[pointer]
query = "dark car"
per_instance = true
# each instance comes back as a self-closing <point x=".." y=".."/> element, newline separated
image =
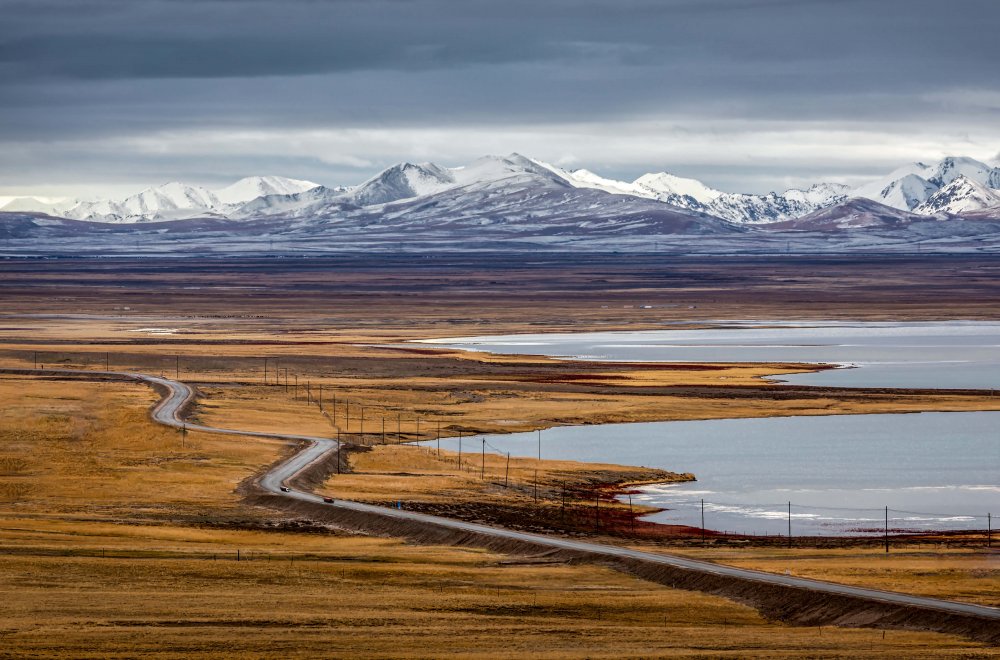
<point x="328" y="500"/>
<point x="286" y="489"/>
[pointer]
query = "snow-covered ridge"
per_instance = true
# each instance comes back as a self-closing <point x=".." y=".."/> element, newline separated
<point x="516" y="186"/>
<point x="170" y="201"/>
<point x="910" y="187"/>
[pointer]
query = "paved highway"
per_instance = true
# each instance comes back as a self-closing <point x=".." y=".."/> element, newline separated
<point x="168" y="410"/>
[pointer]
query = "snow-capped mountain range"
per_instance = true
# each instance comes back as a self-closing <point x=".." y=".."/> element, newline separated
<point x="171" y="201"/>
<point x="516" y="190"/>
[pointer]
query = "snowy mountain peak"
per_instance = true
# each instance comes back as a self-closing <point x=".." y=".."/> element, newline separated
<point x="169" y="197"/>
<point x="818" y="194"/>
<point x="952" y="167"/>
<point x="587" y="179"/>
<point x="960" y="196"/>
<point x="47" y="205"/>
<point x="664" y="184"/>
<point x="912" y="185"/>
<point x="252" y="187"/>
<point x="401" y="181"/>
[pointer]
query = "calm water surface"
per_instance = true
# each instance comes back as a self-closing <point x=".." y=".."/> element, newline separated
<point x="954" y="354"/>
<point x="933" y="470"/>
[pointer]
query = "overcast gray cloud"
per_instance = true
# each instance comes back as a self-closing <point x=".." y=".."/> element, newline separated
<point x="748" y="94"/>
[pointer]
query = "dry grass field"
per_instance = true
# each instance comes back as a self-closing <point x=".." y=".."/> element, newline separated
<point x="94" y="590"/>
<point x="83" y="449"/>
<point x="970" y="574"/>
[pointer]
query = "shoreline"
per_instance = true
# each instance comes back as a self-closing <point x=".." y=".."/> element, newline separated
<point x="620" y="491"/>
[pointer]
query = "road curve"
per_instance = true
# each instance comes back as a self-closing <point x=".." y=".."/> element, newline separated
<point x="178" y="395"/>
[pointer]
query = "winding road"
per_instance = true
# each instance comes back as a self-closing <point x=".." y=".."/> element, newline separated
<point x="178" y="395"/>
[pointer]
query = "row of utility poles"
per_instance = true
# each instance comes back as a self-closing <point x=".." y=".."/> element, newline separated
<point x="331" y="407"/>
<point x="107" y="363"/>
<point x="279" y="376"/>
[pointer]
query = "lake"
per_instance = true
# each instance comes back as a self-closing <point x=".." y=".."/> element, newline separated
<point x="953" y="354"/>
<point x="933" y="470"/>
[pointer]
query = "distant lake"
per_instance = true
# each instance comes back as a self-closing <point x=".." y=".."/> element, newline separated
<point x="934" y="470"/>
<point x="952" y="354"/>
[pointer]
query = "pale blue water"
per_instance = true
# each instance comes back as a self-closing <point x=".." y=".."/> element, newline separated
<point x="952" y="354"/>
<point x="934" y="470"/>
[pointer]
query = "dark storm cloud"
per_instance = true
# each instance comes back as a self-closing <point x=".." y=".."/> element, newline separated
<point x="95" y="39"/>
<point x="93" y="69"/>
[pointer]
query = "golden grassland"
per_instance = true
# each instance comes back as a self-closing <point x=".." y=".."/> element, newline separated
<point x="422" y="475"/>
<point x="89" y="448"/>
<point x="95" y="590"/>
<point x="970" y="574"/>
<point x="100" y="556"/>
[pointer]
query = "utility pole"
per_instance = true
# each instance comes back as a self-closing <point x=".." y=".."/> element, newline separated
<point x="703" y="521"/>
<point x="347" y="405"/>
<point x="334" y="404"/>
<point x="439" y="440"/>
<point x="482" y="468"/>
<point x="459" y="450"/>
<point x="506" y="472"/>
<point x="597" y="514"/>
<point x="338" y="451"/>
<point x="399" y="429"/>
<point x="362" y="425"/>
<point x="308" y="392"/>
<point x="886" y="530"/>
<point x="177" y="368"/>
<point x="107" y="361"/>
<point x="989" y="530"/>
<point x="631" y="514"/>
<point x="539" y="461"/>
<point x="789" y="524"/>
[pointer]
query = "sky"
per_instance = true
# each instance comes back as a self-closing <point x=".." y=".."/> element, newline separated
<point x="106" y="97"/>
